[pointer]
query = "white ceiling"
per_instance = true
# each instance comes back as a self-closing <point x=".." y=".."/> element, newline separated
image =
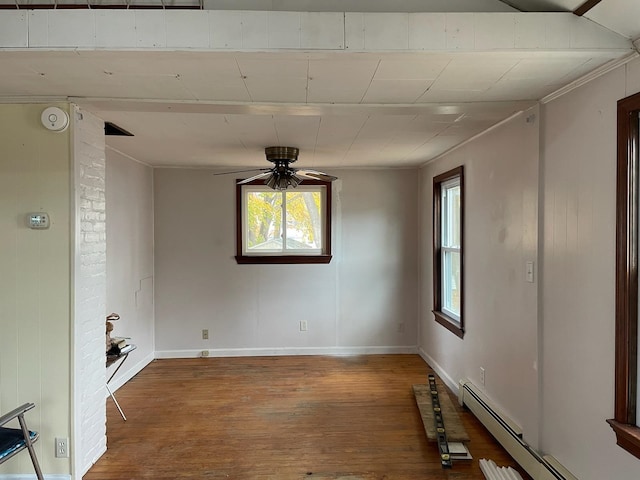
<point x="356" y="109"/>
<point x="621" y="16"/>
<point x="207" y="108"/>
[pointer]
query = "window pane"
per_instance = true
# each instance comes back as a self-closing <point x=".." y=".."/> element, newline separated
<point x="451" y="282"/>
<point x="451" y="214"/>
<point x="264" y="221"/>
<point x="304" y="220"/>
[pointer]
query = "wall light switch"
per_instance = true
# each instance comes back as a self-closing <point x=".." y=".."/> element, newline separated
<point x="529" y="270"/>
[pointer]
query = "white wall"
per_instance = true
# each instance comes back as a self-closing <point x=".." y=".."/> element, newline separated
<point x="576" y="290"/>
<point x="130" y="259"/>
<point x="501" y="183"/>
<point x="354" y="304"/>
<point x="35" y="327"/>
<point x="578" y="313"/>
<point x="89" y="441"/>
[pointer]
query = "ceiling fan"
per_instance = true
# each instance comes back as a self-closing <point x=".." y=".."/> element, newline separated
<point x="282" y="176"/>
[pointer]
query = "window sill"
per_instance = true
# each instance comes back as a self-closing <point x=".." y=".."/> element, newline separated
<point x="449" y="323"/>
<point x="627" y="436"/>
<point x="282" y="259"/>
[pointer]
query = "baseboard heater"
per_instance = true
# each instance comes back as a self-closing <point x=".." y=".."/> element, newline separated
<point x="510" y="436"/>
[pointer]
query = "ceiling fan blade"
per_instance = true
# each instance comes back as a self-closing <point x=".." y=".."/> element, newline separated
<point x="255" y="177"/>
<point x="243" y="171"/>
<point x="315" y="175"/>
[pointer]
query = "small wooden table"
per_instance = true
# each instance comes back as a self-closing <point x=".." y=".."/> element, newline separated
<point x="113" y="359"/>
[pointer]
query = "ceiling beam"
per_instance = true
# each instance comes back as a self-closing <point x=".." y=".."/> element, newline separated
<point x="585" y="7"/>
<point x="510" y="4"/>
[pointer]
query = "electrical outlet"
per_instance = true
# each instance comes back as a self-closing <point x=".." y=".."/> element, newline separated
<point x="401" y="327"/>
<point x="482" y="375"/>
<point x="62" y="447"/>
<point x="303" y="325"/>
<point x="204" y="353"/>
<point x="205" y="334"/>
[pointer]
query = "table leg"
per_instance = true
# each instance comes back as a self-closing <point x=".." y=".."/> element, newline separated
<point x="116" y="402"/>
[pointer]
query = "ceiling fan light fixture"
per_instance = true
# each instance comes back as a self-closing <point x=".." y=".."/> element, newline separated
<point x="294" y="180"/>
<point x="283" y="183"/>
<point x="281" y="176"/>
<point x="284" y="155"/>
<point x="271" y="182"/>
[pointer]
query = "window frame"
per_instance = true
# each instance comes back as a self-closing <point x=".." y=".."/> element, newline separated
<point x="275" y="258"/>
<point x="452" y="324"/>
<point x="625" y="420"/>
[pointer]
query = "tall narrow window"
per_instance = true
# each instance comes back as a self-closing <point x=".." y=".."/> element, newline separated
<point x="626" y="422"/>
<point x="448" y="225"/>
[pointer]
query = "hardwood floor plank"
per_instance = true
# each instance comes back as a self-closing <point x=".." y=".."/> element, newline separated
<point x="280" y="418"/>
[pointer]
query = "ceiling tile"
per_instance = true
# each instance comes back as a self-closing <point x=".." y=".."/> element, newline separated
<point x="460" y="31"/>
<point x="272" y="66"/>
<point x="427" y="31"/>
<point x="339" y="130"/>
<point x="322" y="30"/>
<point x="115" y="28"/>
<point x="618" y="15"/>
<point x="255" y="30"/>
<point x="388" y="31"/>
<point x="473" y="73"/>
<point x="420" y="68"/>
<point x="14" y="31"/>
<point x="225" y="29"/>
<point x="211" y="89"/>
<point x="493" y="32"/>
<point x="284" y="29"/>
<point x="151" y="30"/>
<point x="297" y="131"/>
<point x="395" y="91"/>
<point x="543" y="69"/>
<point x="277" y="90"/>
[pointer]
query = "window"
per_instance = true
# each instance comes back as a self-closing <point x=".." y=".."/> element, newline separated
<point x="448" y="264"/>
<point x="626" y="422"/>
<point x="284" y="226"/>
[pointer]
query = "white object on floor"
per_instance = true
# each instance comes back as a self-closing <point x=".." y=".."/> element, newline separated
<point x="492" y="472"/>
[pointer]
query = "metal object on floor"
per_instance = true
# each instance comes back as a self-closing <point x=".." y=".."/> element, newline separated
<point x="112" y="359"/>
<point x="443" y="445"/>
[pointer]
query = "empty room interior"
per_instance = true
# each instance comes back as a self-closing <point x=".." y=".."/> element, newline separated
<point x="297" y="210"/>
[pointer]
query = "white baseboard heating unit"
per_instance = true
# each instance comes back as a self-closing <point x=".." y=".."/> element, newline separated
<point x="510" y="436"/>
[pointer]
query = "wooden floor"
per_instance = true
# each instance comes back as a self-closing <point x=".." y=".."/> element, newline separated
<point x="347" y="418"/>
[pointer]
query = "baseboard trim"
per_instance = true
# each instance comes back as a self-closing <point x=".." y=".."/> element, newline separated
<point x="286" y="351"/>
<point x="32" y="476"/>
<point x="97" y="457"/>
<point x="128" y="374"/>
<point x="439" y="370"/>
